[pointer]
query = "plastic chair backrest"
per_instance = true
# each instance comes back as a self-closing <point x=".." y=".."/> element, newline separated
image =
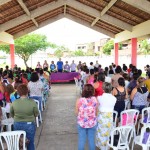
<point x="124" y="133"/>
<point x="115" y="115"/>
<point x="76" y="82"/>
<point x="38" y="104"/>
<point x="129" y="117"/>
<point x="4" y="116"/>
<point x="12" y="139"/>
<point x="145" y="135"/>
<point x="145" y="115"/>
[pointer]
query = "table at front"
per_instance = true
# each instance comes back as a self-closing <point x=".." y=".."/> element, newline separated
<point x="63" y="76"/>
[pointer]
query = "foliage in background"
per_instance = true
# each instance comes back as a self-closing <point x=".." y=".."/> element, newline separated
<point x="145" y="47"/>
<point x="109" y="46"/>
<point x="61" y="51"/>
<point x="28" y="45"/>
<point x="79" y="52"/>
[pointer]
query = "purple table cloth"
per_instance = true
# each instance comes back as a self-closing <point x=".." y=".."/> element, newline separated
<point x="64" y="76"/>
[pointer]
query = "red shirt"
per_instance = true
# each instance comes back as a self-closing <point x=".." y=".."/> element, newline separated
<point x="7" y="97"/>
<point x="99" y="91"/>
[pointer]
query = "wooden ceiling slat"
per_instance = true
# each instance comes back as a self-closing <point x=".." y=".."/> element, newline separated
<point x="78" y="13"/>
<point x="34" y="4"/>
<point x="49" y="14"/>
<point x="133" y="10"/>
<point x="20" y="26"/>
<point x="119" y="10"/>
<point x="121" y="18"/>
<point x="10" y="11"/>
<point x="89" y="19"/>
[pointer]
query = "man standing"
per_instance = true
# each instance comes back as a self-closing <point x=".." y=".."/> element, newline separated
<point x="73" y="67"/>
<point x="60" y="65"/>
<point x="97" y="64"/>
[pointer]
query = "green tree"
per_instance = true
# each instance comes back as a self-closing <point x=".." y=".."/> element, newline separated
<point x="28" y="45"/>
<point x="109" y="46"/>
<point x="145" y="47"/>
<point x="58" y="53"/>
<point x="79" y="52"/>
<point x="60" y="50"/>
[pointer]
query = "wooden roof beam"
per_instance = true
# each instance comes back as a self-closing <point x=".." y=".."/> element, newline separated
<point x="35" y="13"/>
<point x="21" y="3"/>
<point x="42" y="24"/>
<point x="95" y="13"/>
<point x="65" y="8"/>
<point x="139" y="30"/>
<point x="109" y="5"/>
<point x="2" y="2"/>
<point x="141" y="4"/>
<point x="87" y="24"/>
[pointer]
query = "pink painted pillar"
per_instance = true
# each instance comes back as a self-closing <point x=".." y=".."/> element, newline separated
<point x="116" y="47"/>
<point x="134" y="51"/>
<point x="12" y="55"/>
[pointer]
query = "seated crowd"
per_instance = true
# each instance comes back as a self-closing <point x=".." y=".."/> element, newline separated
<point x="18" y="90"/>
<point x="103" y="92"/>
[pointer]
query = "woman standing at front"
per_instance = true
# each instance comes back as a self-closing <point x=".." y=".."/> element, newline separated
<point x="86" y="109"/>
<point x="24" y="111"/>
<point x="105" y="116"/>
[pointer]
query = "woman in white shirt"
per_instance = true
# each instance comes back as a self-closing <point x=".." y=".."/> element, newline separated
<point x="105" y="116"/>
<point x="35" y="87"/>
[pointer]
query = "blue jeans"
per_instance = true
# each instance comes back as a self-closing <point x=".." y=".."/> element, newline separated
<point x="140" y="107"/>
<point x="30" y="129"/>
<point x="83" y="133"/>
<point x="39" y="98"/>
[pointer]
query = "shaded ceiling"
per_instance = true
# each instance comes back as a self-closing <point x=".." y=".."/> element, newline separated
<point x="110" y="17"/>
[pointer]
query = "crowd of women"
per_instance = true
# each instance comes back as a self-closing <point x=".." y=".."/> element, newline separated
<point x="18" y="90"/>
<point x="103" y="91"/>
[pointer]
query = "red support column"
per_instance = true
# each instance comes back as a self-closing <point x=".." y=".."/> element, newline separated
<point x="12" y="55"/>
<point x="116" y="47"/>
<point x="134" y="51"/>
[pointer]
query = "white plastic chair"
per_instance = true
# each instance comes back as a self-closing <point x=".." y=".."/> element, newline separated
<point x="145" y="118"/>
<point x="129" y="117"/>
<point x="115" y="116"/>
<point x="8" y="122"/>
<point x="40" y="115"/>
<point x="12" y="140"/>
<point x="78" y="85"/>
<point x="124" y="133"/>
<point x="144" y="139"/>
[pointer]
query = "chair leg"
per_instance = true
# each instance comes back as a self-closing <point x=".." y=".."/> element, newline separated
<point x="37" y="121"/>
<point x="40" y="115"/>
<point x="133" y="144"/>
<point x="138" y="128"/>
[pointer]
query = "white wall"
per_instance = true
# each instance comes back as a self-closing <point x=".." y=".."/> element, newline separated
<point x="104" y="60"/>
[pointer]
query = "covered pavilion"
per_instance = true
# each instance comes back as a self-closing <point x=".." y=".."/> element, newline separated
<point x="119" y="19"/>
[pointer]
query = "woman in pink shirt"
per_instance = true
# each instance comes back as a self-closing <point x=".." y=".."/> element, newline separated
<point x="86" y="111"/>
<point x="90" y="78"/>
